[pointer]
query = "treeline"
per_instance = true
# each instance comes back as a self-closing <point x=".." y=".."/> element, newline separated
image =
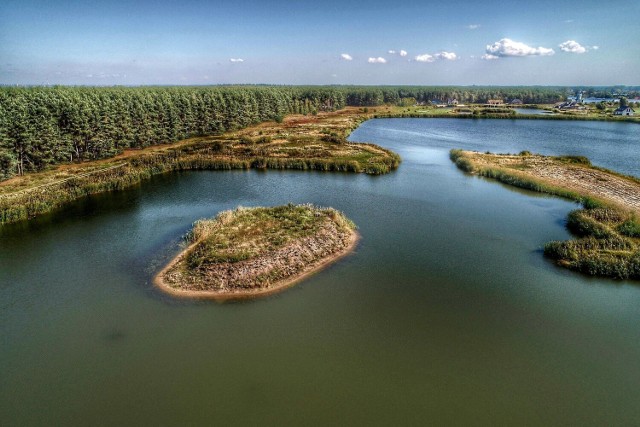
<point x="378" y="95"/>
<point x="41" y="126"/>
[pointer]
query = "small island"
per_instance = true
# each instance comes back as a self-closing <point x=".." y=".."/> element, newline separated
<point x="254" y="252"/>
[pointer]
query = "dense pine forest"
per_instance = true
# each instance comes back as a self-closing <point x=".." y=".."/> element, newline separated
<point x="41" y="126"/>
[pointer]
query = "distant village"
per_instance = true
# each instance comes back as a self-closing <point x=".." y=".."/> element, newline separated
<point x="578" y="103"/>
<point x="617" y="105"/>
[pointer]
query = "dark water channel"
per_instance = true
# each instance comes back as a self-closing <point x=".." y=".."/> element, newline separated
<point x="447" y="313"/>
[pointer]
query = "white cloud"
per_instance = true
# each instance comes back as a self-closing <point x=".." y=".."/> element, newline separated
<point x="425" y="57"/>
<point x="378" y="60"/>
<point x="572" y="46"/>
<point x="473" y="26"/>
<point x="489" y="57"/>
<point x="595" y="47"/>
<point x="445" y="56"/>
<point x="236" y="60"/>
<point x="400" y="52"/>
<point x="346" y="57"/>
<point x="508" y="47"/>
<point x="449" y="56"/>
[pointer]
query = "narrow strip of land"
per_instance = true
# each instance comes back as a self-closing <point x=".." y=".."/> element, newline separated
<point x="315" y="142"/>
<point x="608" y="229"/>
<point x="574" y="174"/>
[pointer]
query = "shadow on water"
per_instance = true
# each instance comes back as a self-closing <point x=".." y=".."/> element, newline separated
<point x="122" y="202"/>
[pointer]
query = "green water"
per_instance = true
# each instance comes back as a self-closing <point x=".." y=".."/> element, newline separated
<point x="447" y="313"/>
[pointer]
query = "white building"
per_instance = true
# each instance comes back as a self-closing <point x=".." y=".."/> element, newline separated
<point x="624" y="111"/>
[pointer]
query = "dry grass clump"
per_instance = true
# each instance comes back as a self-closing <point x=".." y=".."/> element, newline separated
<point x="608" y="243"/>
<point x="244" y="233"/>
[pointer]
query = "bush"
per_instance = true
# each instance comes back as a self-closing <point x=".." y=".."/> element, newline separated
<point x="581" y="223"/>
<point x="630" y="228"/>
<point x="580" y="160"/>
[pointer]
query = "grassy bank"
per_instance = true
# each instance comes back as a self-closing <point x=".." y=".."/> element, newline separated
<point x="299" y="142"/>
<point x="480" y="112"/>
<point x="607" y="228"/>
<point x="252" y="252"/>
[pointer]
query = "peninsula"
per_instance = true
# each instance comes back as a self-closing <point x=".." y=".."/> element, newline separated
<point x="254" y="252"/>
<point x="608" y="226"/>
<point x="312" y="142"/>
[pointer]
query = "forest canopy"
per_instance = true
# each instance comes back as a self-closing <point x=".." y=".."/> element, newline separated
<point x="41" y="126"/>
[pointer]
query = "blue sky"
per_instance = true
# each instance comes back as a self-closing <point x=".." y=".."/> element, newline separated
<point x="320" y="42"/>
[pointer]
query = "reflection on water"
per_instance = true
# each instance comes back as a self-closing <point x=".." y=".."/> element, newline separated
<point x="446" y="311"/>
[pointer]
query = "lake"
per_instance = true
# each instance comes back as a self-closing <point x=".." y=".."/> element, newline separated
<point x="447" y="312"/>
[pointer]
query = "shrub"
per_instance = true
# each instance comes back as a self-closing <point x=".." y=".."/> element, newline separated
<point x="630" y="227"/>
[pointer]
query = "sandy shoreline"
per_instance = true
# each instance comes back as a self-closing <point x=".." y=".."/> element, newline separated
<point x="222" y="296"/>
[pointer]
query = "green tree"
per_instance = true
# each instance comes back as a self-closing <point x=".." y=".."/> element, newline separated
<point x="8" y="164"/>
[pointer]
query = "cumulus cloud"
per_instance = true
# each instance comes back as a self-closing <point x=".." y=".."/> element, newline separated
<point x="595" y="47"/>
<point x="403" y="53"/>
<point x="449" y="56"/>
<point x="572" y="46"/>
<point x="236" y="60"/>
<point x="425" y="57"/>
<point x="346" y="57"/>
<point x="392" y="52"/>
<point x="473" y="26"/>
<point x="489" y="57"/>
<point x="508" y="47"/>
<point x="378" y="60"/>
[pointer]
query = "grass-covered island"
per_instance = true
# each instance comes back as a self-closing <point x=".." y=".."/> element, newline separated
<point x="608" y="227"/>
<point x="253" y="252"/>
